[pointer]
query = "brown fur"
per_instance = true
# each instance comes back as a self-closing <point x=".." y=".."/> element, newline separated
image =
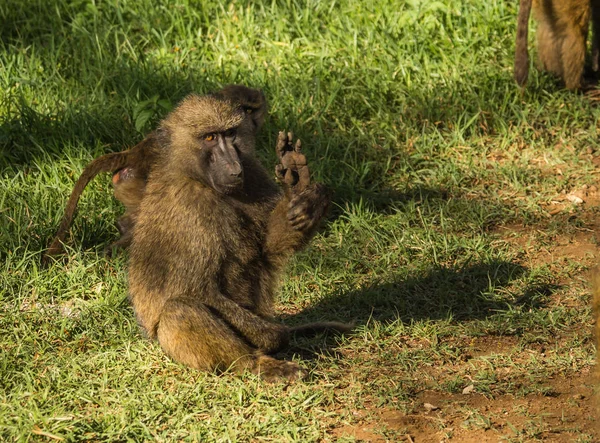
<point x="132" y="167"/>
<point x="561" y="38"/>
<point x="205" y="259"/>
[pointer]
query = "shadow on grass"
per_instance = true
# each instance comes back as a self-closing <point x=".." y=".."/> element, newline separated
<point x="26" y="135"/>
<point x="474" y="292"/>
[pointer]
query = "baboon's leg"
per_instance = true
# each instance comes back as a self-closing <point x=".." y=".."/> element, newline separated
<point x="125" y="225"/>
<point x="297" y="215"/>
<point x="572" y="53"/>
<point x="266" y="336"/>
<point x="192" y="334"/>
<point x="548" y="52"/>
<point x="123" y="242"/>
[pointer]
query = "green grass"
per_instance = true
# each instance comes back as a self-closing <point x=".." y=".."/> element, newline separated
<point x="406" y="109"/>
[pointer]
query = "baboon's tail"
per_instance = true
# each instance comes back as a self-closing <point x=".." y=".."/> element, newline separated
<point x="325" y="326"/>
<point x="106" y="163"/>
<point x="521" y="70"/>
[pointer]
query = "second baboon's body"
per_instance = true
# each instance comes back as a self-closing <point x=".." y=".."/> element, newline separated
<point x="561" y="38"/>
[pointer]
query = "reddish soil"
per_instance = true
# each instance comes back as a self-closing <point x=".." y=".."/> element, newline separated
<point x="564" y="411"/>
<point x="566" y="415"/>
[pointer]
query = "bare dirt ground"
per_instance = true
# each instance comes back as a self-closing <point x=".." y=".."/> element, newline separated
<point x="564" y="409"/>
<point x="562" y="415"/>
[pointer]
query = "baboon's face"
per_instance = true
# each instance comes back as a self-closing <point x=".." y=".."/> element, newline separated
<point x="220" y="164"/>
<point x="209" y="138"/>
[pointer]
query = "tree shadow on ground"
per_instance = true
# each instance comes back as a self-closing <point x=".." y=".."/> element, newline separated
<point x="28" y="136"/>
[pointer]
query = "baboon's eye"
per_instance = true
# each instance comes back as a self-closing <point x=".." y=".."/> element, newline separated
<point x="249" y="110"/>
<point x="229" y="132"/>
<point x="209" y="137"/>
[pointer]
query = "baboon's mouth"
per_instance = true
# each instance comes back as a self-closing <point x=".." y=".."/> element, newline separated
<point x="232" y="188"/>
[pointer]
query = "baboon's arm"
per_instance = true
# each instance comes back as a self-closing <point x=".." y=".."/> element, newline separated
<point x="297" y="215"/>
<point x="265" y="335"/>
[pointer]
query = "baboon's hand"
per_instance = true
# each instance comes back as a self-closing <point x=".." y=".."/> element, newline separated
<point x="306" y="208"/>
<point x="292" y="169"/>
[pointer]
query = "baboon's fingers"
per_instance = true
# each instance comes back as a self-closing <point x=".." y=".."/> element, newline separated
<point x="298" y="146"/>
<point x="282" y="142"/>
<point x="280" y="172"/>
<point x="302" y="223"/>
<point x="314" y="195"/>
<point x="290" y="138"/>
<point x="306" y="209"/>
<point x="303" y="178"/>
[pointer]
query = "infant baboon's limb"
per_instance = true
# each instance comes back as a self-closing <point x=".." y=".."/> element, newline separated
<point x="292" y="170"/>
<point x="303" y="205"/>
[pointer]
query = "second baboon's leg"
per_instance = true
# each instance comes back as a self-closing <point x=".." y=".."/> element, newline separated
<point x="125" y="225"/>
<point x="297" y="215"/>
<point x="572" y="52"/>
<point x="192" y="334"/>
<point x="548" y="53"/>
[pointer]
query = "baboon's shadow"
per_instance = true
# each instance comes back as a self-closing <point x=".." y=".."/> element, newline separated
<point x="461" y="294"/>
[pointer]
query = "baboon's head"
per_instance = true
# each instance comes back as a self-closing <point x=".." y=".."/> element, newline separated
<point x="209" y="138"/>
<point x="252" y="102"/>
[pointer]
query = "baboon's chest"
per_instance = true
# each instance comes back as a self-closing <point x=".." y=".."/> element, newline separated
<point x="242" y="241"/>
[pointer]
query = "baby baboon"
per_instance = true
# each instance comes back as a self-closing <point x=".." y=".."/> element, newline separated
<point x="212" y="234"/>
<point x="561" y="38"/>
<point x="131" y="169"/>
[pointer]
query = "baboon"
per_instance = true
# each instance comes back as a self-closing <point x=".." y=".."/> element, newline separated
<point x="212" y="234"/>
<point x="132" y="167"/>
<point x="561" y="39"/>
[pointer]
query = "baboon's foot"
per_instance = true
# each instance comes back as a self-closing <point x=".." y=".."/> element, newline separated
<point x="292" y="169"/>
<point x="273" y="370"/>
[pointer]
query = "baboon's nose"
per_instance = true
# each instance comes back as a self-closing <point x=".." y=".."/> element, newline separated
<point x="235" y="169"/>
